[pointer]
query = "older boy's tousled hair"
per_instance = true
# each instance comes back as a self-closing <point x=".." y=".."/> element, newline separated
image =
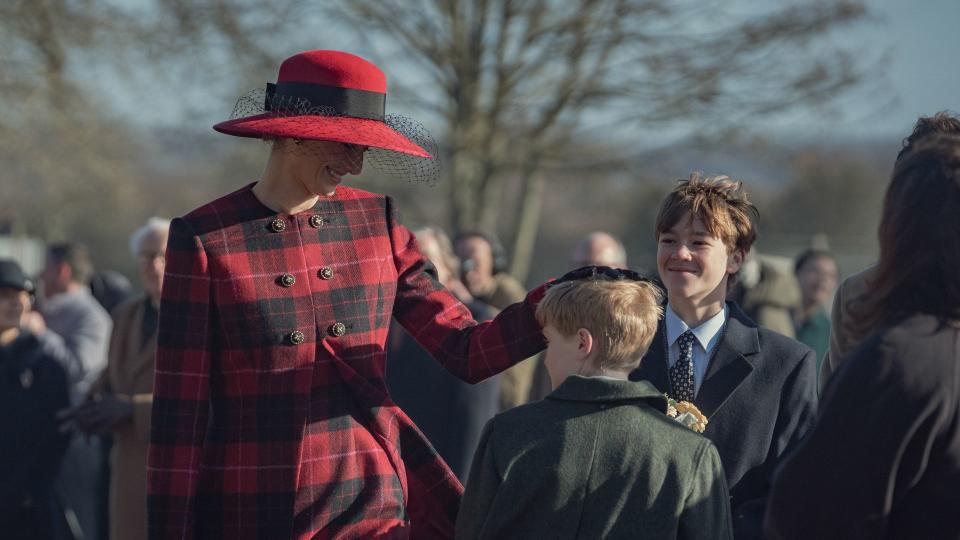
<point x="722" y="205"/>
<point x="621" y="315"/>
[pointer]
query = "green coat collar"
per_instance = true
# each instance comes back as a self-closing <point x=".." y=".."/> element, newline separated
<point x="594" y="390"/>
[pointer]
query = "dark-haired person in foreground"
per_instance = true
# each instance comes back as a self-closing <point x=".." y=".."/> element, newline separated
<point x="844" y="331"/>
<point x="883" y="460"/>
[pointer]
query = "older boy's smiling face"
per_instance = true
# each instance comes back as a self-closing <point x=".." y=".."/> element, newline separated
<point x="694" y="264"/>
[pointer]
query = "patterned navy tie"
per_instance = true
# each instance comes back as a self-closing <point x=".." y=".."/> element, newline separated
<point x="681" y="373"/>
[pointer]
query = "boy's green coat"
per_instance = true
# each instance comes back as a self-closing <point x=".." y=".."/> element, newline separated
<point x="598" y="458"/>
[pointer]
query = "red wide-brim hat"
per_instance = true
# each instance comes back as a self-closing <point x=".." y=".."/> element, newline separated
<point x="327" y="96"/>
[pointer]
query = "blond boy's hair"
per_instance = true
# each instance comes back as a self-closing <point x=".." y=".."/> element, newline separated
<point x="722" y="205"/>
<point x="622" y="316"/>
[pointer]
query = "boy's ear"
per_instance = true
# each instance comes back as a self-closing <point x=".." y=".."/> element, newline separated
<point x="584" y="342"/>
<point x="735" y="261"/>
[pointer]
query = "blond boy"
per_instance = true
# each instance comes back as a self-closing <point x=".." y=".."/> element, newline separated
<point x="598" y="458"/>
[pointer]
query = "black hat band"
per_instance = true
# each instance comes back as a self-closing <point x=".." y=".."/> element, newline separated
<point x="341" y="101"/>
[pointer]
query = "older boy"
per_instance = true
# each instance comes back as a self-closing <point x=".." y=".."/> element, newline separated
<point x="598" y="458"/>
<point x="757" y="388"/>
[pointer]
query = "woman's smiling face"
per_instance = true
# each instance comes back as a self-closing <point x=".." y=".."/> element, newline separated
<point x="321" y="165"/>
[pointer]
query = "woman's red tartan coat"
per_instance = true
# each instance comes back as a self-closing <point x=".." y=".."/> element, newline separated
<point x="271" y="418"/>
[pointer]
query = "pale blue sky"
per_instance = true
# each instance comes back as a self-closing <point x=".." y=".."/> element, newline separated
<point x="921" y="39"/>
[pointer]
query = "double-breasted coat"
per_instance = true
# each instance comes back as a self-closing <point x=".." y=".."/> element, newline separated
<point x="271" y="418"/>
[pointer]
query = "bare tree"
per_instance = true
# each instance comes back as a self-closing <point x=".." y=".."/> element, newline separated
<point x="72" y="168"/>
<point x="514" y="79"/>
<point x="514" y="83"/>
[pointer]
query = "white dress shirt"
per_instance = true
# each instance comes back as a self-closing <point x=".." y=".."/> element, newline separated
<point x="707" y="334"/>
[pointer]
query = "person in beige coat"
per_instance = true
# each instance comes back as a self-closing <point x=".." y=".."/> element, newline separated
<point x="120" y="401"/>
<point x="843" y="334"/>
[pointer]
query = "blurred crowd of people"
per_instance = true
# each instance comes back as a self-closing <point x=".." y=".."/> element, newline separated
<point x="77" y="356"/>
<point x="78" y="348"/>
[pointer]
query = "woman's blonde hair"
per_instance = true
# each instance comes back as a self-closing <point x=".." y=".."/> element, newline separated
<point x="622" y="316"/>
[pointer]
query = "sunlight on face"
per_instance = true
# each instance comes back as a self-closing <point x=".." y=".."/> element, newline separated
<point x="321" y="165"/>
<point x="693" y="264"/>
<point x="563" y="355"/>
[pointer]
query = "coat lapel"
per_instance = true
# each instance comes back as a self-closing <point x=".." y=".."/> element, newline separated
<point x="730" y="364"/>
<point x="653" y="367"/>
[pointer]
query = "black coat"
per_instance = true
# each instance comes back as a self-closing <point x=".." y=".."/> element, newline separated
<point x="759" y="395"/>
<point x="883" y="460"/>
<point x="33" y="387"/>
<point x="450" y="412"/>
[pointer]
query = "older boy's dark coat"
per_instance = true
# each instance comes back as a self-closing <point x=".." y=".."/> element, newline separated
<point x="596" y="459"/>
<point x="759" y="395"/>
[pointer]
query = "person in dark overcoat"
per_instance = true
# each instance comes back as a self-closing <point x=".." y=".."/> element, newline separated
<point x="598" y="458"/>
<point x="271" y="418"/>
<point x="450" y="412"/>
<point x="883" y="459"/>
<point x="757" y="388"/>
<point x="33" y="387"/>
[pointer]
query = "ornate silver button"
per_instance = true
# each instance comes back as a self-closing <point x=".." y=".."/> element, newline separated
<point x="326" y="272"/>
<point x="317" y="221"/>
<point x="296" y="337"/>
<point x="287" y="280"/>
<point x="338" y="329"/>
<point x="278" y="225"/>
